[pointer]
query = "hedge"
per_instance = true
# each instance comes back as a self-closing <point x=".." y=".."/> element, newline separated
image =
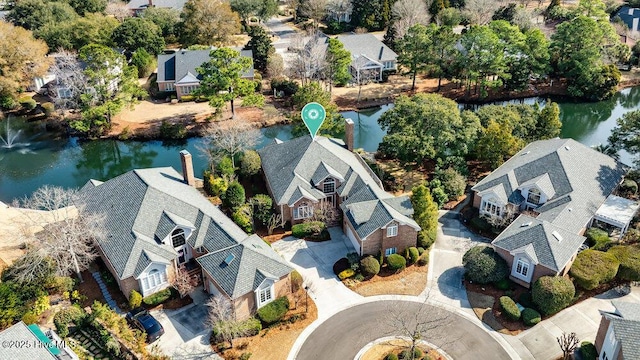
<point x="369" y="266"/>
<point x="629" y="258"/>
<point x="483" y="265"/>
<point x="312" y="230"/>
<point x="158" y="298"/>
<point x="345" y="274"/>
<point x="396" y="262"/>
<point x="412" y="255"/>
<point x="592" y="268"/>
<point x="597" y="238"/>
<point x="530" y="317"/>
<point x="340" y="266"/>
<point x="552" y="293"/>
<point x="588" y="351"/>
<point x="509" y="307"/>
<point x="274" y="311"/>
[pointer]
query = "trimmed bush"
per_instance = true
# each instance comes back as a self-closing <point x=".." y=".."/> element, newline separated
<point x="288" y="87"/>
<point x="412" y="255"/>
<point x="424" y="259"/>
<point x="404" y="355"/>
<point x="597" y="238"/>
<point x="312" y="230"/>
<point x="345" y="274"/>
<point x="135" y="299"/>
<point x="420" y="250"/>
<point x="274" y="311"/>
<point x="396" y="262"/>
<point x="296" y="281"/>
<point x="530" y="317"/>
<point x="64" y="317"/>
<point x="592" y="268"/>
<point x="391" y="356"/>
<point x="483" y="265"/>
<point x="29" y="318"/>
<point x="552" y="293"/>
<point x="479" y="224"/>
<point x="503" y="284"/>
<point x="48" y="108"/>
<point x="629" y="258"/>
<point x="157" y="298"/>
<point x="509" y="307"/>
<point x="417" y="353"/>
<point x="253" y="326"/>
<point x="369" y="266"/>
<point x="341" y="265"/>
<point x="526" y="300"/>
<point x="224" y="167"/>
<point x="588" y="351"/>
<point x="250" y="164"/>
<point x="234" y="197"/>
<point x="27" y="103"/>
<point x="242" y="219"/>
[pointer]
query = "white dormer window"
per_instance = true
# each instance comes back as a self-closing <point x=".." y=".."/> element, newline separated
<point x="177" y="238"/>
<point x="533" y="197"/>
<point x="392" y="230"/>
<point x="329" y="186"/>
<point x="264" y="294"/>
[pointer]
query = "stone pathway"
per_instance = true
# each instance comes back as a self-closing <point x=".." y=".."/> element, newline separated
<point x="105" y="292"/>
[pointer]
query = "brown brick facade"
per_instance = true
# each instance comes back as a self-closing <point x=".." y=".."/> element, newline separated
<point x="477" y="200"/>
<point x="538" y="270"/>
<point x="601" y="334"/>
<point x="378" y="241"/>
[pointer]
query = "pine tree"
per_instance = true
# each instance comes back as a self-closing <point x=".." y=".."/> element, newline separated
<point x="425" y="213"/>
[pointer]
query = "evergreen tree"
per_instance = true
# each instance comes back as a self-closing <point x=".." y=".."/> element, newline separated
<point x="425" y="213"/>
<point x="260" y="44"/>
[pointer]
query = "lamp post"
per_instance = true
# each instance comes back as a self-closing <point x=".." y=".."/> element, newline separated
<point x="306" y="298"/>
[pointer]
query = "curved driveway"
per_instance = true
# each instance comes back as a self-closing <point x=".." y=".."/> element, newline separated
<point x="345" y="333"/>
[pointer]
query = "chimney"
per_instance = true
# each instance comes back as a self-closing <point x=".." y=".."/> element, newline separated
<point x="187" y="168"/>
<point x="150" y="3"/>
<point x="348" y="134"/>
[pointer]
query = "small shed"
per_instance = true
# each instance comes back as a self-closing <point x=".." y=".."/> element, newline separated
<point x="617" y="212"/>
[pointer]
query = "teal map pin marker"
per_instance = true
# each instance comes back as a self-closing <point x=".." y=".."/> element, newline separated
<point x="313" y="115"/>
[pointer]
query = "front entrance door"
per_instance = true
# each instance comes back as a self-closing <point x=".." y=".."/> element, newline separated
<point x="183" y="254"/>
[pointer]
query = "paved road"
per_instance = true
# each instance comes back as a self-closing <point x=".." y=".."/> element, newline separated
<point x="345" y="333"/>
<point x="283" y="31"/>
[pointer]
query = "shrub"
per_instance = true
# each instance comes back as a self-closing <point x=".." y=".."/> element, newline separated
<point x="358" y="277"/>
<point x="245" y="356"/>
<point x="439" y="196"/>
<point x="296" y="281"/>
<point x="274" y="311"/>
<point x="629" y="258"/>
<point x="312" y="230"/>
<point x="27" y="103"/>
<point x="526" y="300"/>
<point x="234" y="196"/>
<point x="135" y="299"/>
<point x="380" y="258"/>
<point x="214" y="186"/>
<point x="453" y="183"/>
<point x="250" y="164"/>
<point x="60" y="284"/>
<point x="479" y="224"/>
<point x="345" y="274"/>
<point x="420" y="250"/>
<point x="552" y="293"/>
<point x="242" y="219"/>
<point x="262" y="208"/>
<point x="391" y="356"/>
<point x="404" y="355"/>
<point x="172" y="131"/>
<point x="157" y="298"/>
<point x="396" y="262"/>
<point x="597" y="238"/>
<point x="483" y="265"/>
<point x="288" y="87"/>
<point x="412" y="255"/>
<point x="424" y="259"/>
<point x="340" y="266"/>
<point x="503" y="284"/>
<point x="592" y="268"/>
<point x="530" y="317"/>
<point x="29" y="318"/>
<point x="629" y="186"/>
<point x="354" y="261"/>
<point x="369" y="266"/>
<point x="224" y="167"/>
<point x="588" y="351"/>
<point x="64" y="317"/>
<point x="509" y="307"/>
<point x="417" y="353"/>
<point x="253" y="326"/>
<point x="48" y="108"/>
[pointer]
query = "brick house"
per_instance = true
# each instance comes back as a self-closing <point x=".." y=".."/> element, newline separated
<point x="157" y="220"/>
<point x="617" y="336"/>
<point x="304" y="174"/>
<point x="563" y="187"/>
<point x="178" y="71"/>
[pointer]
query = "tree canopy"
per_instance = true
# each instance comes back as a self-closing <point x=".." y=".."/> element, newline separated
<point x="83" y="7"/>
<point x="426" y="126"/>
<point x="338" y="60"/>
<point x="34" y="14"/>
<point x="260" y="44"/>
<point x="139" y="33"/>
<point x="333" y="124"/>
<point x="166" y="19"/>
<point x="626" y="134"/>
<point x="208" y="22"/>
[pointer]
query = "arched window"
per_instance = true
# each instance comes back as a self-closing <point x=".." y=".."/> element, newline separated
<point x="534" y="196"/>
<point x="177" y="238"/>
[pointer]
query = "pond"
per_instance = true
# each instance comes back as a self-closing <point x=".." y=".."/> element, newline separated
<point x="29" y="158"/>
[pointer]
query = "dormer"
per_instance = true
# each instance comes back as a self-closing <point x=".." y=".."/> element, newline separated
<point x="537" y="191"/>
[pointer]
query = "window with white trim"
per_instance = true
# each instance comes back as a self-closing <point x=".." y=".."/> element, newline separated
<point x="178" y="238"/>
<point x="390" y="251"/>
<point x="534" y="196"/>
<point x="522" y="268"/>
<point x="491" y="208"/>
<point x="392" y="230"/>
<point x="200" y="249"/>
<point x="329" y="186"/>
<point x="154" y="279"/>
<point x="169" y="87"/>
<point x="302" y="212"/>
<point x="265" y="293"/>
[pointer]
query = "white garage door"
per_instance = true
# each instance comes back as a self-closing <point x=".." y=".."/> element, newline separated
<point x="213" y="290"/>
<point x="354" y="242"/>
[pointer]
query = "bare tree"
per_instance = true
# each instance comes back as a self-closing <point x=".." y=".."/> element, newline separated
<point x="228" y="140"/>
<point x="568" y="343"/>
<point x="275" y="221"/>
<point x="59" y="228"/>
<point x="480" y="12"/>
<point x="407" y="13"/>
<point x="314" y="10"/>
<point x="118" y="9"/>
<point x="340" y="9"/>
<point x="275" y="65"/>
<point x="364" y="75"/>
<point x="222" y="319"/>
<point x="183" y="282"/>
<point x="71" y="83"/>
<point x="309" y="61"/>
<point x="507" y="216"/>
<point x="325" y="212"/>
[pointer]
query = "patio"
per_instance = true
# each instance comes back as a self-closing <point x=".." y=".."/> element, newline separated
<point x="615" y="214"/>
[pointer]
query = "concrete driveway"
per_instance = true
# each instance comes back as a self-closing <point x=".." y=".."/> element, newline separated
<point x="186" y="335"/>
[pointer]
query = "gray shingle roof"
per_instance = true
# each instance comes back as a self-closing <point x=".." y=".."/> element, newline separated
<point x="626" y="327"/>
<point x="628" y="310"/>
<point x="579" y="177"/>
<point x="182" y="65"/>
<point x="550" y="251"/>
<point x="20" y="332"/>
<point x="253" y="261"/>
<point x="367" y="45"/>
<point x="293" y="167"/>
<point x="143" y="4"/>
<point x="143" y="206"/>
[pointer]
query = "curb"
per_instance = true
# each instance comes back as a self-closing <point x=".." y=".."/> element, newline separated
<point x="406" y="338"/>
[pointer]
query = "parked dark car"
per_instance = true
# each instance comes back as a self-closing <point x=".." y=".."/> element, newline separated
<point x="142" y="320"/>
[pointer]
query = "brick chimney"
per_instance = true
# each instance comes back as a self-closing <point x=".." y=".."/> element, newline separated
<point x="348" y="134"/>
<point x="150" y="3"/>
<point x="187" y="168"/>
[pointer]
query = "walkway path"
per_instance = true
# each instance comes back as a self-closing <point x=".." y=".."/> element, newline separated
<point x="105" y="292"/>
